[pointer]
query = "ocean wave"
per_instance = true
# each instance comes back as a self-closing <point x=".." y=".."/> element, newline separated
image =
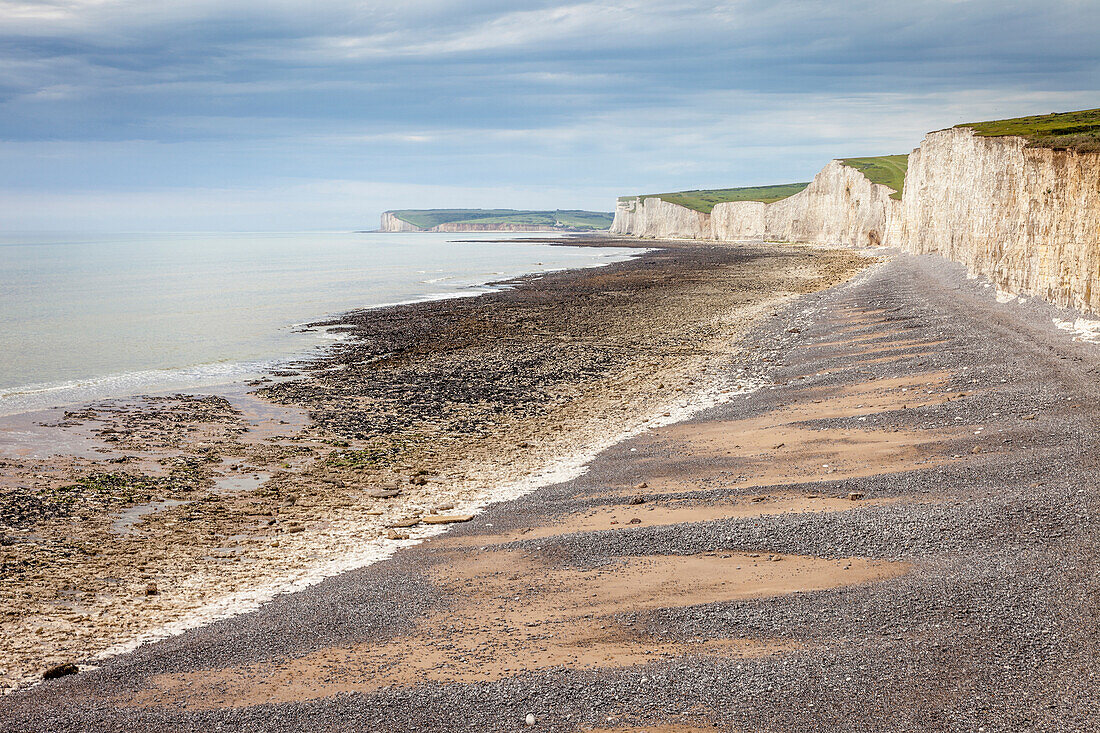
<point x="30" y="397"/>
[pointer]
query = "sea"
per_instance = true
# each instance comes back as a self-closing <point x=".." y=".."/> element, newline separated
<point x="86" y="317"/>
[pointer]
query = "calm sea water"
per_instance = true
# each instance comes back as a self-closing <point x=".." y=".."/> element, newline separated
<point x="84" y="317"/>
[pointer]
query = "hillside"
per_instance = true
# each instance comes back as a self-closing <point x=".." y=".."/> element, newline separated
<point x="705" y="200"/>
<point x="887" y="170"/>
<point x="1079" y="131"/>
<point x="490" y="219"/>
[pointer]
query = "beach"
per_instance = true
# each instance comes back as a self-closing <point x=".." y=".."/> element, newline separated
<point x="131" y="519"/>
<point x="892" y="531"/>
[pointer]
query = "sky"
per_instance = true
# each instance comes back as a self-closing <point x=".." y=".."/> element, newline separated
<point x="242" y="115"/>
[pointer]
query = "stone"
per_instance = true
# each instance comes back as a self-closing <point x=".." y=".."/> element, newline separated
<point x="637" y="500"/>
<point x="447" y="519"/>
<point x="530" y="720"/>
<point x="60" y="670"/>
<point x="151" y="589"/>
<point x="635" y="520"/>
<point x="855" y="495"/>
<point x="384" y="493"/>
<point x="642" y="485"/>
<point x="395" y="535"/>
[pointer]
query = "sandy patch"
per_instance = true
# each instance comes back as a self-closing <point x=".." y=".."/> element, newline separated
<point x="516" y="614"/>
<point x="860" y="340"/>
<point x="778" y="448"/>
<point x="664" y="513"/>
<point x="751" y="454"/>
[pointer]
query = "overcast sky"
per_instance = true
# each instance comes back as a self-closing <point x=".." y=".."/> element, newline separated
<point x="250" y="115"/>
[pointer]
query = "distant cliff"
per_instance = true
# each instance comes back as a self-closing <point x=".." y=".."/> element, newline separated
<point x="494" y="220"/>
<point x="390" y="223"/>
<point x="658" y="219"/>
<point x="840" y="206"/>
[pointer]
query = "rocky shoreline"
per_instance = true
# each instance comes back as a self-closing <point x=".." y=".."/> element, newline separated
<point x="156" y="514"/>
<point x="895" y="532"/>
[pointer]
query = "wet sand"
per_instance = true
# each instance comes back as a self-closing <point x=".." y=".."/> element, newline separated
<point x="162" y="513"/>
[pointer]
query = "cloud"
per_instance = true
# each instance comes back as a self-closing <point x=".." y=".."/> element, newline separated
<point x="192" y="95"/>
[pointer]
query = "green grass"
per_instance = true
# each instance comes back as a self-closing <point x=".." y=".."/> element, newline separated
<point x="565" y="219"/>
<point x="705" y="200"/>
<point x="1078" y="131"/>
<point x="888" y="170"/>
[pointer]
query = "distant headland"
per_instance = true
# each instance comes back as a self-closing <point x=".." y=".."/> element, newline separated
<point x="494" y="220"/>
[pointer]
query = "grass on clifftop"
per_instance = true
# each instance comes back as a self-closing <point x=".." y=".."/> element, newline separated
<point x="888" y="170"/>
<point x="1078" y="131"/>
<point x="565" y="219"/>
<point x="705" y="201"/>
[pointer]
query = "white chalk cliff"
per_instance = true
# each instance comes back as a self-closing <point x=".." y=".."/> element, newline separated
<point x="840" y="206"/>
<point x="391" y="223"/>
<point x="1027" y="218"/>
<point x="658" y="219"/>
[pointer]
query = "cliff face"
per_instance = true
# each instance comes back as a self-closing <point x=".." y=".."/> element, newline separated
<point x="738" y="220"/>
<point x="391" y="223"/>
<point x="1027" y="218"/>
<point x="840" y="206"/>
<point x="655" y="218"/>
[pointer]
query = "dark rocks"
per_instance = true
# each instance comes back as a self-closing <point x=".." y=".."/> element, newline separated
<point x="60" y="670"/>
